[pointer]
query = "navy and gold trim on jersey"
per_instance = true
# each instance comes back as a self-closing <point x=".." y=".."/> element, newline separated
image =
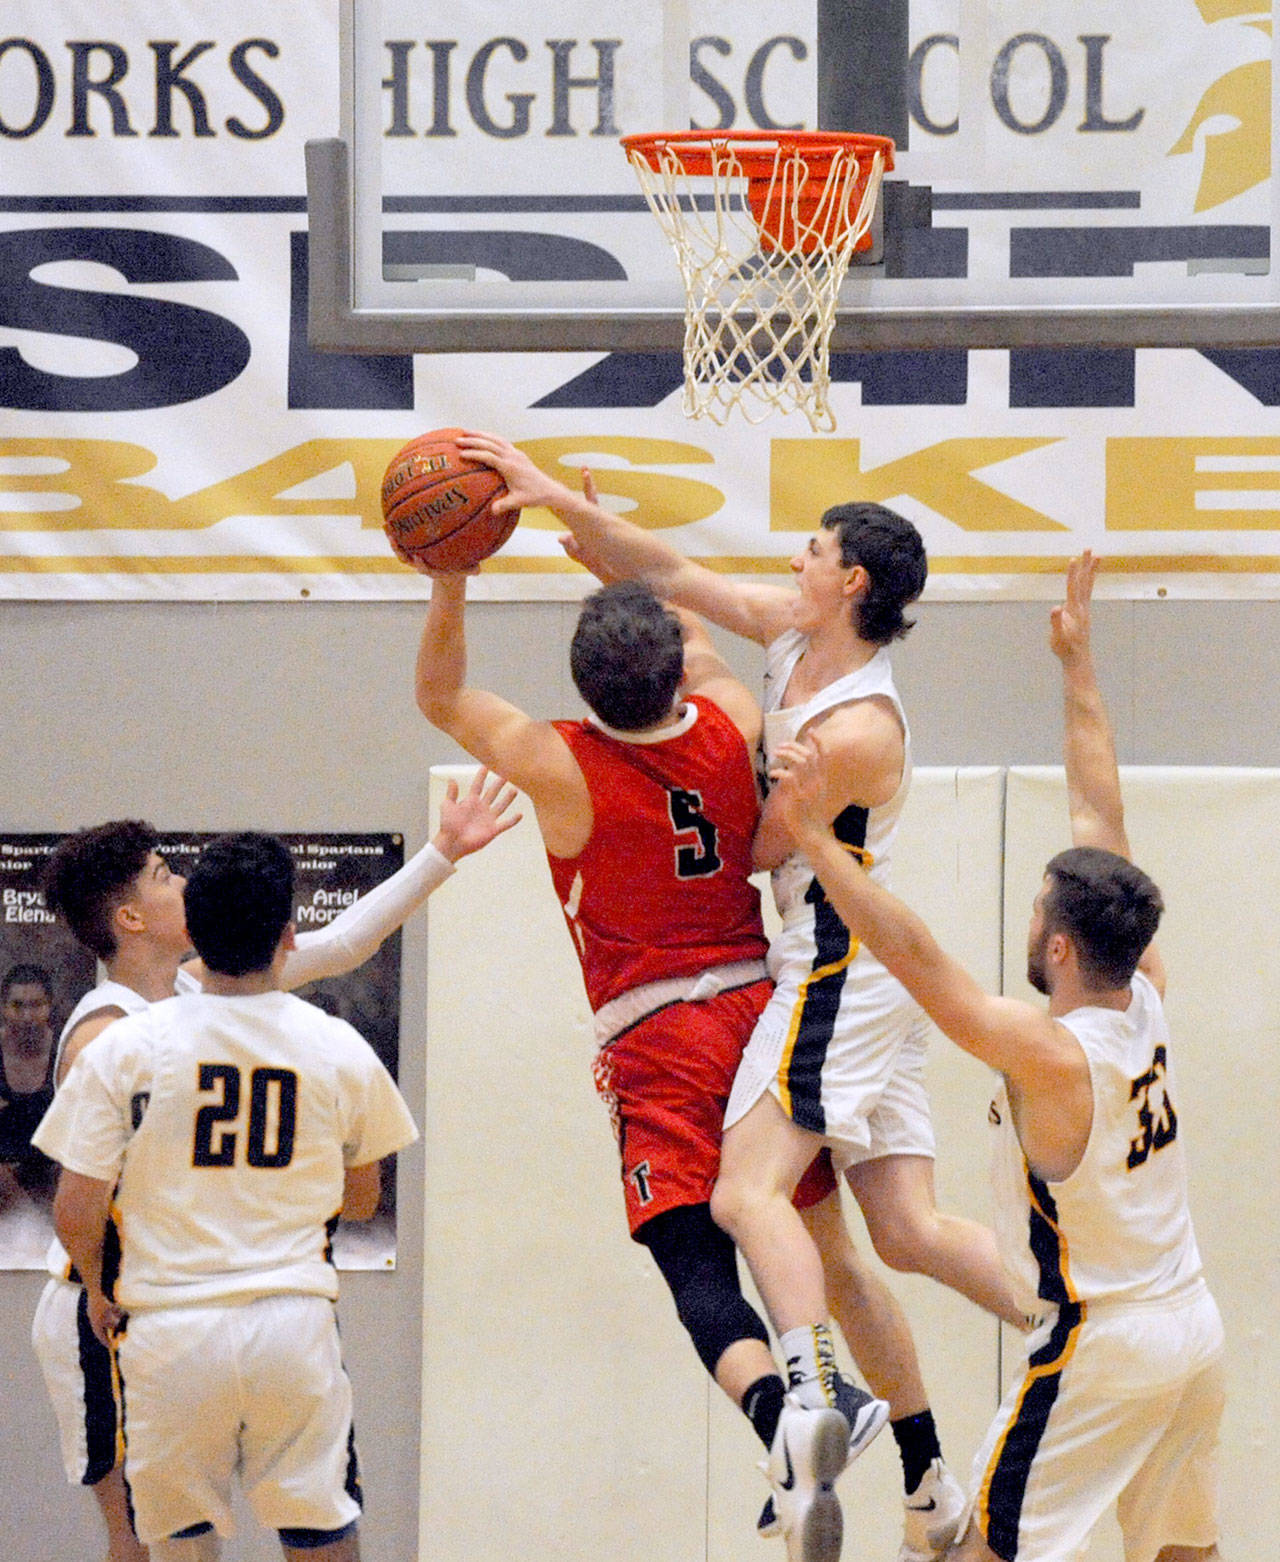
<point x="817" y="1006"/>
<point x="1004" y="1482"/>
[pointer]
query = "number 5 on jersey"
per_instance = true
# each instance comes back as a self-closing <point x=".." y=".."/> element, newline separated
<point x="700" y="857"/>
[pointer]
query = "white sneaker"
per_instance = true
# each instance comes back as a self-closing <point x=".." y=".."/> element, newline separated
<point x="809" y="1450"/>
<point x="933" y="1514"/>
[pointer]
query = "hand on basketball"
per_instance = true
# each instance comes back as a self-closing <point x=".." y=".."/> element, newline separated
<point x="1069" y="622"/>
<point x="470" y="822"/>
<point x="526" y="483"/>
<point x="800" y="789"/>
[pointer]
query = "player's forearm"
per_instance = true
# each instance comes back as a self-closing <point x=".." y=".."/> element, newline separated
<point x="897" y="937"/>
<point x="1089" y="756"/>
<point x="359" y="931"/>
<point x="619" y="549"/>
<point x="441" y="670"/>
<point x="80" y="1209"/>
<point x="889" y="928"/>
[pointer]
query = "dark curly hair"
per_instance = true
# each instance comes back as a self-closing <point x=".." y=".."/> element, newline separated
<point x="89" y="873"/>
<point x="891" y="551"/>
<point x="239" y="899"/>
<point x="627" y="655"/>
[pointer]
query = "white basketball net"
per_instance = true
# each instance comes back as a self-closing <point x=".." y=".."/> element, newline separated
<point x="758" y="315"/>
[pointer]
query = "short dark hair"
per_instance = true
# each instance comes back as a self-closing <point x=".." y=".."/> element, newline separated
<point x="89" y="873"/>
<point x="891" y="551"/>
<point x="627" y="655"/>
<point x="239" y="900"/>
<point x="1109" y="909"/>
<point x="26" y="974"/>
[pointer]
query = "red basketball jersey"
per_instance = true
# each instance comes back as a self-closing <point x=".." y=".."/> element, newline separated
<point x="662" y="887"/>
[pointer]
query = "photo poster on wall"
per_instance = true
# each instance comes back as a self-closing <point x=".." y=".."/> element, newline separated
<point x="37" y="951"/>
<point x="332" y="870"/>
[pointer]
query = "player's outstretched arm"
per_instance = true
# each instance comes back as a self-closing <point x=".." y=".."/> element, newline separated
<point x="1093" y="779"/>
<point x="1094" y="798"/>
<point x="467" y="824"/>
<point x="1014" y="1037"/>
<point x="707" y="673"/>
<point x="614" y="548"/>
<point x="530" y="754"/>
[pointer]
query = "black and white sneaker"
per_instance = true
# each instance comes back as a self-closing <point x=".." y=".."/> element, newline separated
<point x="810" y="1448"/>
<point x="865" y="1414"/>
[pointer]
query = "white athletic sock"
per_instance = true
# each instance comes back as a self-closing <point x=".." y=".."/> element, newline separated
<point x="810" y="1355"/>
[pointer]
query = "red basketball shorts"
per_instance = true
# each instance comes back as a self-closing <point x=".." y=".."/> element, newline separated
<point x="666" y="1082"/>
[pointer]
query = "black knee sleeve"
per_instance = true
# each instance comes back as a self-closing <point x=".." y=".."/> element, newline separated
<point x="700" y="1266"/>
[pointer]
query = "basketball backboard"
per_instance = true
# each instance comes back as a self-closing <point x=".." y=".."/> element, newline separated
<point x="1070" y="172"/>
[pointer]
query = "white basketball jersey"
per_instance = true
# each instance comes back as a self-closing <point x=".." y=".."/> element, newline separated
<point x="106" y="995"/>
<point x="1119" y="1228"/>
<point x="228" y="1122"/>
<point x="873" y="829"/>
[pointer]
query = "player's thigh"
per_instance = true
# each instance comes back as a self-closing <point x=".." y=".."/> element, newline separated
<point x="181" y="1393"/>
<point x="80" y="1377"/>
<point x="764" y="1153"/>
<point x="1173" y="1498"/>
<point x="896" y="1196"/>
<point x="666" y="1081"/>
<point x="297" y="1445"/>
<point x="1063" y="1446"/>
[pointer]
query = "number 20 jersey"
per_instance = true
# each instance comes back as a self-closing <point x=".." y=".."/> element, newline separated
<point x="230" y="1122"/>
<point x="662" y="887"/>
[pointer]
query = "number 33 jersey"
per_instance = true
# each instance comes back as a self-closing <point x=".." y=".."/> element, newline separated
<point x="228" y="1124"/>
<point x="662" y="887"/>
<point x="1118" y="1229"/>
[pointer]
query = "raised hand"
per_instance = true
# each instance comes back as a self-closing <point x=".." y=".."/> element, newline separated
<point x="471" y="822"/>
<point x="526" y="484"/>
<point x="1069" y="621"/>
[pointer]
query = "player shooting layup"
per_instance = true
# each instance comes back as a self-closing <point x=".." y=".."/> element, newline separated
<point x="647" y="813"/>
<point x="838" y="1057"/>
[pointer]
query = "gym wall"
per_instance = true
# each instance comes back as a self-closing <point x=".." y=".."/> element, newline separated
<point x="289" y="716"/>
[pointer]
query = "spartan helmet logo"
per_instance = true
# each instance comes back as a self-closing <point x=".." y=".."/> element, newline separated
<point x="1236" y="159"/>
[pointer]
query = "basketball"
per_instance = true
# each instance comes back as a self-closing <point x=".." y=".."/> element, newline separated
<point x="436" y="504"/>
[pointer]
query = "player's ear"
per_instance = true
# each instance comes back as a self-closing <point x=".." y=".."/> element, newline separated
<point x="128" y="918"/>
<point x="857" y="581"/>
<point x="289" y="938"/>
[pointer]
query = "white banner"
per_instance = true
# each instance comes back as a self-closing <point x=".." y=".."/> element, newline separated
<point x="168" y="433"/>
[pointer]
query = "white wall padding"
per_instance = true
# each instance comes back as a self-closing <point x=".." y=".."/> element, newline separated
<point x="564" y="1411"/>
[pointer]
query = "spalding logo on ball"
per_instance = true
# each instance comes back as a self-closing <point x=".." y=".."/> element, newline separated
<point x="436" y="505"/>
